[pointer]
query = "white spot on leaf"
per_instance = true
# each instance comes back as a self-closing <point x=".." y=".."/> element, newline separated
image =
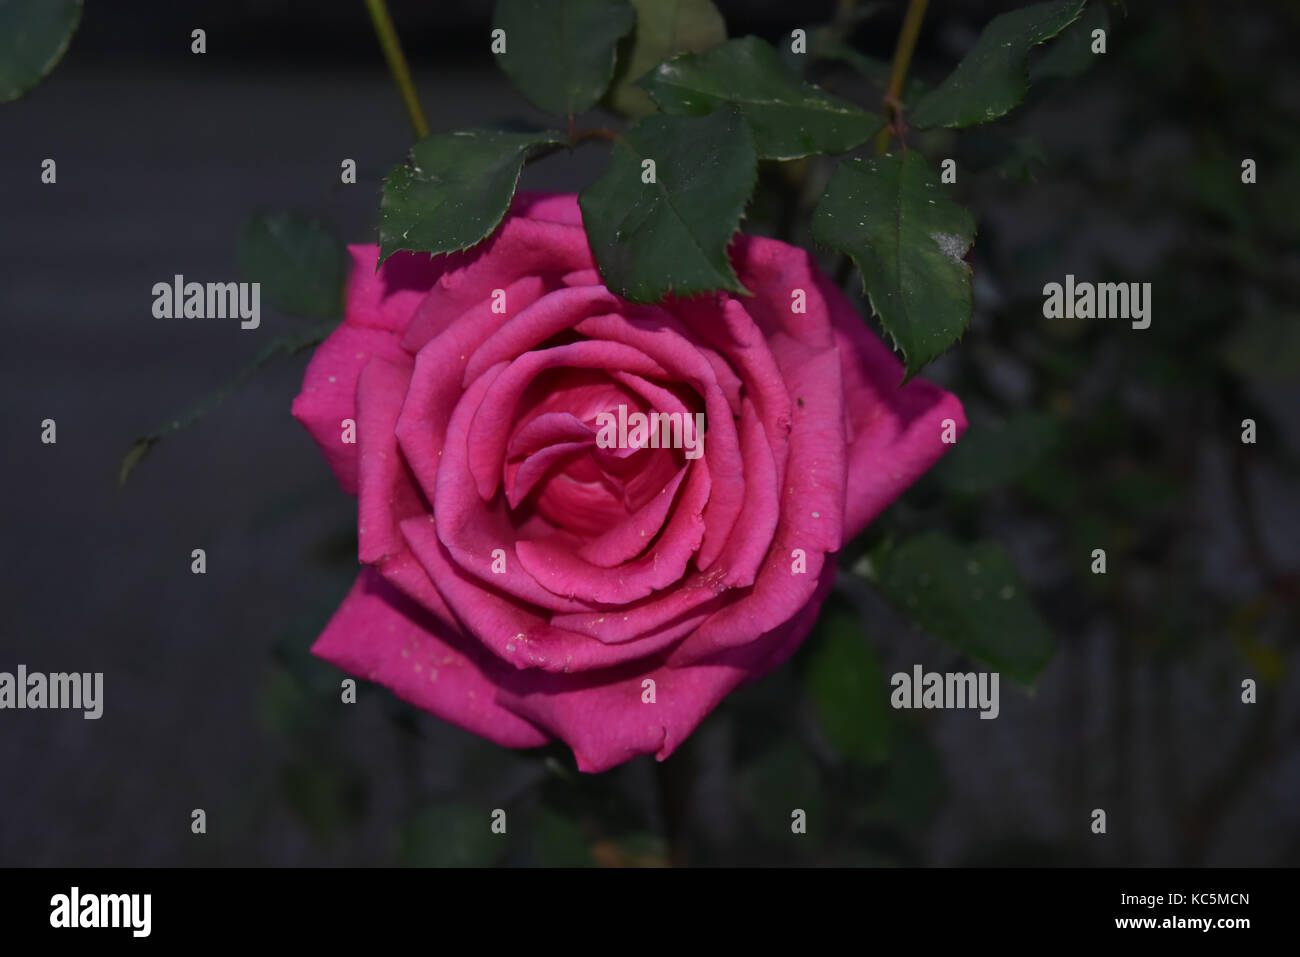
<point x="951" y="245"/>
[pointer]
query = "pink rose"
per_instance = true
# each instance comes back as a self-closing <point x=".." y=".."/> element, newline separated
<point x="523" y="581"/>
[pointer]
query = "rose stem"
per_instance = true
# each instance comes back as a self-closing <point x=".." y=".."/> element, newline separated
<point x="397" y="64"/>
<point x="898" y="72"/>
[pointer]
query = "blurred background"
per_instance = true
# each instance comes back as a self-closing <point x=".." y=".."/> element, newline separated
<point x="1085" y="434"/>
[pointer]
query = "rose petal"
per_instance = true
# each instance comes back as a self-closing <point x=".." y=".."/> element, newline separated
<point x="386" y="299"/>
<point x="895" y="432"/>
<point x="380" y="635"/>
<point x="386" y="492"/>
<point x="630" y="537"/>
<point x="735" y="567"/>
<point x="436" y="381"/>
<point x="329" y="392"/>
<point x="404" y="572"/>
<point x="510" y="629"/>
<point x="554" y="207"/>
<point x="521" y="479"/>
<point x="547" y="429"/>
<point x="474" y="529"/>
<point x="533" y="325"/>
<point x="602" y="715"/>
<point x="538" y="251"/>
<point x="737" y="345"/>
<point x="564" y="572"/>
<point x="494" y="417"/>
<point x="658" y="337"/>
<point x="810" y="520"/>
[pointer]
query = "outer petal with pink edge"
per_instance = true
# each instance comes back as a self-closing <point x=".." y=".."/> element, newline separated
<point x="379" y="634"/>
<point x="385" y="299"/>
<point x="601" y="716"/>
<point x="329" y="391"/>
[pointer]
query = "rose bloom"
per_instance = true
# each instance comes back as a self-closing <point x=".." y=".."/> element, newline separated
<point x="526" y="583"/>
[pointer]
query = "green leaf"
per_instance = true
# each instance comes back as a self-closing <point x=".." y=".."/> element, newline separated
<point x="993" y="454"/>
<point x="34" y="35"/>
<point x="1071" y="55"/>
<point x="451" y="835"/>
<point x="848" y="690"/>
<point x="664" y="28"/>
<point x="671" y="235"/>
<point x="455" y="190"/>
<point x="560" y="53"/>
<point x="283" y="345"/>
<point x="300" y="265"/>
<point x="790" y="118"/>
<point x="992" y="79"/>
<point x="907" y="238"/>
<point x="971" y="597"/>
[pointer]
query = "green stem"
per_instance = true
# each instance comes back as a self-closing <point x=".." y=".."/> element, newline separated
<point x="397" y="64"/>
<point x="288" y="345"/>
<point x="898" y="72"/>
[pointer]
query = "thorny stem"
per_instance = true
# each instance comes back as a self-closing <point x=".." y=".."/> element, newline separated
<point x="898" y="73"/>
<point x="392" y="48"/>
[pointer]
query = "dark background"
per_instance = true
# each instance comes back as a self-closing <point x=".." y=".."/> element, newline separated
<point x="210" y="699"/>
